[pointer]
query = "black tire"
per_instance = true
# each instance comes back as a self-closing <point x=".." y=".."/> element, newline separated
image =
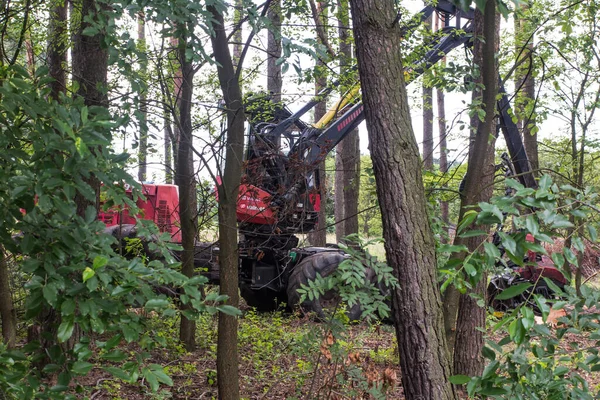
<point x="263" y="300"/>
<point x="129" y="231"/>
<point x="324" y="264"/>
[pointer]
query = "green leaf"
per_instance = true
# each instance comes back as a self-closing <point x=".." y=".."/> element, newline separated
<point x="115" y="355"/>
<point x="508" y="242"/>
<point x="65" y="329"/>
<point x="532" y="225"/>
<point x="570" y="256"/>
<point x="593" y="233"/>
<point x="459" y="379"/>
<point x="467" y="220"/>
<point x="81" y="367"/>
<point x="88" y="273"/>
<point x="156" y="304"/>
<point x="469" y="269"/>
<point x="99" y="262"/>
<point x="513" y="291"/>
<point x="50" y="292"/>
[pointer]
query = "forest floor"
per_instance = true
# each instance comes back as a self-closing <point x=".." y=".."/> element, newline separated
<point x="282" y="356"/>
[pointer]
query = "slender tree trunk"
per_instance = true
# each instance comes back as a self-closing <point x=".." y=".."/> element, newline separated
<point x="185" y="180"/>
<point x="167" y="135"/>
<point x="8" y="314"/>
<point x="274" y="79"/>
<point x="143" y="107"/>
<point x="347" y="156"/>
<point x="469" y="342"/>
<point x="318" y="237"/>
<point x="237" y="34"/>
<point x="441" y="106"/>
<point x="227" y="350"/>
<point x="409" y="241"/>
<point x="525" y="84"/>
<point x="57" y="49"/>
<point x="427" y="119"/>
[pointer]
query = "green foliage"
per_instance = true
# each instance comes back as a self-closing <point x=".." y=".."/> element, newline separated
<point x="360" y="279"/>
<point x="532" y="361"/>
<point x="71" y="265"/>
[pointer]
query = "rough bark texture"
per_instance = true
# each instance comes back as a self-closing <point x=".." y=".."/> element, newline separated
<point x="143" y="107"/>
<point x="90" y="69"/>
<point x="57" y="48"/>
<point x="227" y="351"/>
<point x="347" y="156"/>
<point x="274" y="80"/>
<point x="184" y="178"/>
<point x="410" y="245"/>
<point x="8" y="315"/>
<point x="318" y="237"/>
<point x="469" y="342"/>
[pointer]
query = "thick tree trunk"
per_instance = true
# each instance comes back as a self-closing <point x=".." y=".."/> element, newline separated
<point x="184" y="175"/>
<point x="8" y="314"/>
<point x="347" y="156"/>
<point x="143" y="107"/>
<point x="57" y="49"/>
<point x="90" y="70"/>
<point x="410" y="245"/>
<point x="318" y="237"/>
<point x="469" y="342"/>
<point x="227" y="351"/>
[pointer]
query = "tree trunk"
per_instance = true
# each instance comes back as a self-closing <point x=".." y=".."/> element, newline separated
<point x="227" y="350"/>
<point x="167" y="139"/>
<point x="274" y="79"/>
<point x="525" y="84"/>
<point x="90" y="70"/>
<point x="427" y="119"/>
<point x="409" y="241"/>
<point x="441" y="106"/>
<point x="469" y="342"/>
<point x="143" y="106"/>
<point x="318" y="237"/>
<point x="8" y="314"/>
<point x="185" y="180"/>
<point x="347" y="156"/>
<point x="57" y="49"/>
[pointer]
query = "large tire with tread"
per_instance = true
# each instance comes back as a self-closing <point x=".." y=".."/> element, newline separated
<point x="323" y="264"/>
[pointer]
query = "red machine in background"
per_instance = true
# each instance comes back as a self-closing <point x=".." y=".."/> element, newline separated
<point x="161" y="206"/>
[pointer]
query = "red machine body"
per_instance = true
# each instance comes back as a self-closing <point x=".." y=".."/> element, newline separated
<point x="161" y="205"/>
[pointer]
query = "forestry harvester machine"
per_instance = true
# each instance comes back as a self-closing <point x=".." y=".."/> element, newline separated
<point x="280" y="192"/>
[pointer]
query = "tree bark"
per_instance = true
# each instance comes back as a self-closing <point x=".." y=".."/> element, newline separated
<point x="525" y="84"/>
<point x="441" y="106"/>
<point x="184" y="175"/>
<point x="427" y="119"/>
<point x="143" y="106"/>
<point x="8" y="315"/>
<point x="409" y="241"/>
<point x="318" y="237"/>
<point x="347" y="156"/>
<point x="274" y="79"/>
<point x="57" y="49"/>
<point x="469" y="342"/>
<point x="90" y="70"/>
<point x="227" y="350"/>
